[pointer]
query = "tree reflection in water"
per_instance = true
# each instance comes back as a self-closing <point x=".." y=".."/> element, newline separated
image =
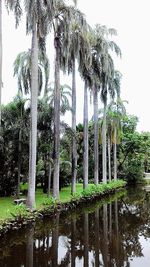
<point x="30" y="243"/>
<point x="86" y="239"/>
<point x="107" y="234"/>
<point x="97" y="241"/>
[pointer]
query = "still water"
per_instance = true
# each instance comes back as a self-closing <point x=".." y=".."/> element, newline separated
<point x="115" y="232"/>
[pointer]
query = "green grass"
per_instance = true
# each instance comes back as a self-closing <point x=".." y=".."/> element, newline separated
<point x="7" y="203"/>
<point x="6" y="207"/>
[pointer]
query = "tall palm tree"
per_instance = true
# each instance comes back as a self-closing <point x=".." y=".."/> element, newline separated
<point x="86" y="139"/>
<point x="95" y="104"/>
<point x="120" y="112"/>
<point x="85" y="63"/>
<point x="33" y="133"/>
<point x="106" y="86"/>
<point x="23" y="70"/>
<point x="78" y="29"/>
<point x="39" y="15"/>
<point x="102" y="47"/>
<point x="61" y="28"/>
<point x="96" y="74"/>
<point x="88" y="83"/>
<point x="109" y="138"/>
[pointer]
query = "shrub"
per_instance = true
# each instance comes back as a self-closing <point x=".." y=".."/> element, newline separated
<point x="75" y="197"/>
<point x="49" y="201"/>
<point x="21" y="212"/>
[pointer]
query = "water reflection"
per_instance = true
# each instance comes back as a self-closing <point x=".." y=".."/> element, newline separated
<point x="30" y="244"/>
<point x="112" y="234"/>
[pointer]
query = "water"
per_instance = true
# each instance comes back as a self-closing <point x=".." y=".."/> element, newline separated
<point x="112" y="233"/>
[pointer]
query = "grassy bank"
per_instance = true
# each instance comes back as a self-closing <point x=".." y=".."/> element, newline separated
<point x="8" y="209"/>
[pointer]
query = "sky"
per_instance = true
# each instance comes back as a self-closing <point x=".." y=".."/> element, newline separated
<point x="131" y="20"/>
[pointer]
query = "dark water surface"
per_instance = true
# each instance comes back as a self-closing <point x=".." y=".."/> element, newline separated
<point x="113" y="233"/>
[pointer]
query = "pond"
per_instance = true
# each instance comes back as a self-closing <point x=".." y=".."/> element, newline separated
<point x="112" y="232"/>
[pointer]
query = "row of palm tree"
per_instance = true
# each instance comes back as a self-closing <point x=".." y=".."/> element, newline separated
<point x="74" y="42"/>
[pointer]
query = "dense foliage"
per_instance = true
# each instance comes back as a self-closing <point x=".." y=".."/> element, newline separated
<point x="133" y="149"/>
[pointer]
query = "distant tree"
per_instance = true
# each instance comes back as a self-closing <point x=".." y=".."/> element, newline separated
<point x="15" y="147"/>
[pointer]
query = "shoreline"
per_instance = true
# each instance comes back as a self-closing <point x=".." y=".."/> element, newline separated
<point x="29" y="218"/>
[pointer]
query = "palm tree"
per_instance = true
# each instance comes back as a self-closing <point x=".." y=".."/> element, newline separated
<point x="85" y="140"/>
<point x="78" y="29"/>
<point x="33" y="133"/>
<point x="109" y="138"/>
<point x="65" y="94"/>
<point x="85" y="62"/>
<point x="102" y="47"/>
<point x="96" y="71"/>
<point x="109" y="132"/>
<point x="115" y="112"/>
<point x="106" y="86"/>
<point x="61" y="27"/>
<point x="39" y="15"/>
<point x="120" y="112"/>
<point x="95" y="104"/>
<point x="22" y="70"/>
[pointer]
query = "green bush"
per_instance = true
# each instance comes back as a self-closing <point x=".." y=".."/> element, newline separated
<point x="75" y="197"/>
<point x="102" y="188"/>
<point x="49" y="201"/>
<point x="21" y="212"/>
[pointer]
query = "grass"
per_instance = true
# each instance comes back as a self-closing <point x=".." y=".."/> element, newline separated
<point x="7" y="203"/>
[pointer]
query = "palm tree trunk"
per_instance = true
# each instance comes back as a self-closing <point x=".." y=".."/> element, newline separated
<point x="104" y="157"/>
<point x="56" y="122"/>
<point x="74" y="145"/>
<point x="95" y="136"/>
<point x="0" y="59"/>
<point x="19" y="164"/>
<point x="49" y="179"/>
<point x="85" y="141"/>
<point x="115" y="154"/>
<point x="33" y="127"/>
<point x="109" y="158"/>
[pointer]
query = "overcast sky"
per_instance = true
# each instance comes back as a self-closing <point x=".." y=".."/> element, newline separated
<point x="131" y="19"/>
